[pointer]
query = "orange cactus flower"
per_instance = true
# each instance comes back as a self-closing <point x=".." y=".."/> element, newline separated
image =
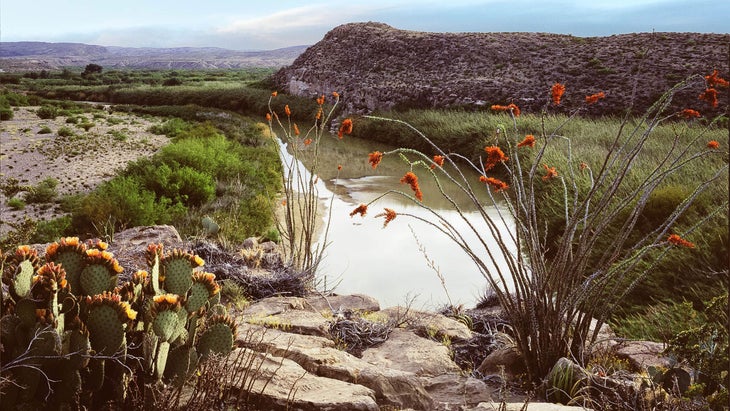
<point x="593" y="98"/>
<point x="362" y="209"/>
<point x="551" y="172"/>
<point x="496" y="184"/>
<point x="320" y="100"/>
<point x="389" y="215"/>
<point x="688" y="113"/>
<point x="437" y="161"/>
<point x="713" y="145"/>
<point x="529" y="141"/>
<point x="375" y="158"/>
<point x="287" y="110"/>
<point x="307" y="141"/>
<point x="675" y="239"/>
<point x="710" y="96"/>
<point x="412" y="180"/>
<point x="274" y="93"/>
<point x="335" y="94"/>
<point x="714" y="80"/>
<point x="512" y="107"/>
<point x="345" y="128"/>
<point x="494" y="156"/>
<point x="268" y="117"/>
<point x="557" y="93"/>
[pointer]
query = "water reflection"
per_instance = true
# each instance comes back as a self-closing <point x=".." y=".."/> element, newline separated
<point x="386" y="263"/>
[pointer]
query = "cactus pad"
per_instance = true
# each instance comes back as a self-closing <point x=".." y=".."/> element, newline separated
<point x="164" y="314"/>
<point x="106" y="322"/>
<point x="177" y="271"/>
<point x="70" y="254"/>
<point x="21" y="269"/>
<point x="218" y="336"/>
<point x="203" y="288"/>
<point x="181" y="361"/>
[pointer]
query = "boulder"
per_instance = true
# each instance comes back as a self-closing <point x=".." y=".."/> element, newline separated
<point x="250" y="243"/>
<point x="519" y="406"/>
<point x="643" y="354"/>
<point x="275" y="306"/>
<point x="129" y="246"/>
<point x="406" y="351"/>
<point x="507" y="358"/>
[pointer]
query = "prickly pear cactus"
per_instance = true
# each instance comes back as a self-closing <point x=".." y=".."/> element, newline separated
<point x="100" y="272"/>
<point x="70" y="254"/>
<point x="177" y="271"/>
<point x="202" y="289"/>
<point x="107" y="319"/>
<point x="19" y="275"/>
<point x="181" y="362"/>
<point x="164" y="313"/>
<point x="218" y="336"/>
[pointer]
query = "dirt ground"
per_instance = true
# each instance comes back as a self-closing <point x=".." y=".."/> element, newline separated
<point x="79" y="162"/>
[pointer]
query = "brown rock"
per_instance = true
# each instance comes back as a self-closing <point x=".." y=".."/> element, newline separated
<point x="451" y="391"/>
<point x="643" y="354"/>
<point x="429" y="324"/>
<point x="405" y="351"/>
<point x="508" y="358"/>
<point x="354" y="302"/>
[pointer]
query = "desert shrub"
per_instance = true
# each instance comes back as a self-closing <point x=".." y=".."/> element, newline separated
<point x="43" y="192"/>
<point x="172" y="82"/>
<point x="6" y="113"/>
<point x="118" y="135"/>
<point x="122" y="203"/>
<point x="170" y="128"/>
<point x="14" y="99"/>
<point x="65" y="132"/>
<point x="45" y="130"/>
<point x="86" y="126"/>
<point x="72" y="120"/>
<point x="214" y="156"/>
<point x="52" y="230"/>
<point x="16" y="203"/>
<point x="659" y="322"/>
<point x="47" y="112"/>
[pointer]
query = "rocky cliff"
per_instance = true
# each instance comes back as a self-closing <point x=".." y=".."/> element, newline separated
<point x="375" y="66"/>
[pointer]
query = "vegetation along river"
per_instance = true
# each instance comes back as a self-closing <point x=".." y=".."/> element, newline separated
<point x="389" y="263"/>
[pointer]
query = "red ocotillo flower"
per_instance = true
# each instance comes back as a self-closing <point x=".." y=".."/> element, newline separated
<point x="296" y="129"/>
<point x="511" y="107"/>
<point x="335" y="94"/>
<point x="268" y="117"/>
<point x="494" y="156"/>
<point x="551" y="172"/>
<point x="412" y="180"/>
<point x="362" y="209"/>
<point x="274" y="93"/>
<point x="675" y="239"/>
<point x="374" y="159"/>
<point x="595" y="97"/>
<point x="710" y="96"/>
<point x="496" y="184"/>
<point x="714" y="80"/>
<point x="713" y="145"/>
<point x="688" y="113"/>
<point x="320" y="100"/>
<point x="529" y="141"/>
<point x="438" y="161"/>
<point x="287" y="110"/>
<point x="389" y="215"/>
<point x="307" y="141"/>
<point x="557" y="92"/>
<point x="345" y="128"/>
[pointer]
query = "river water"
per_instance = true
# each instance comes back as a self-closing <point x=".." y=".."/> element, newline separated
<point x="389" y="263"/>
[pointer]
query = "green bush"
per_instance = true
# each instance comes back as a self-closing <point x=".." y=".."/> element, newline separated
<point x="118" y="135"/>
<point x="52" y="230"/>
<point x="44" y="192"/>
<point x="47" y="112"/>
<point x="65" y="132"/>
<point x="86" y="126"/>
<point x="16" y="203"/>
<point x="121" y="203"/>
<point x="170" y="128"/>
<point x="659" y="322"/>
<point x="6" y="113"/>
<point x="72" y="120"/>
<point x="45" y="130"/>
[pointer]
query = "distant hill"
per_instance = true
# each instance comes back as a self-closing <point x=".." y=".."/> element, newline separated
<point x="30" y="55"/>
<point x="375" y="66"/>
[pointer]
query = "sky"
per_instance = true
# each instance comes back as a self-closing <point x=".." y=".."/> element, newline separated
<point x="256" y="25"/>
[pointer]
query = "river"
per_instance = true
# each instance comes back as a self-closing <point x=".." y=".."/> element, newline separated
<point x="389" y="263"/>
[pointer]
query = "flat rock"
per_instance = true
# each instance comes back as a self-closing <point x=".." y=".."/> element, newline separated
<point x="426" y="323"/>
<point x="353" y="302"/>
<point x="282" y="384"/>
<point x="405" y="351"/>
<point x="319" y="356"/>
<point x="275" y="306"/>
<point x="295" y="321"/>
<point x="452" y="391"/>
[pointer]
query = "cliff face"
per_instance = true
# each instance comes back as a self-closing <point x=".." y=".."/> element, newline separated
<point x="375" y="66"/>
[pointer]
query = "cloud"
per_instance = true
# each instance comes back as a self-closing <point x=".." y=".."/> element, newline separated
<point x="310" y="16"/>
